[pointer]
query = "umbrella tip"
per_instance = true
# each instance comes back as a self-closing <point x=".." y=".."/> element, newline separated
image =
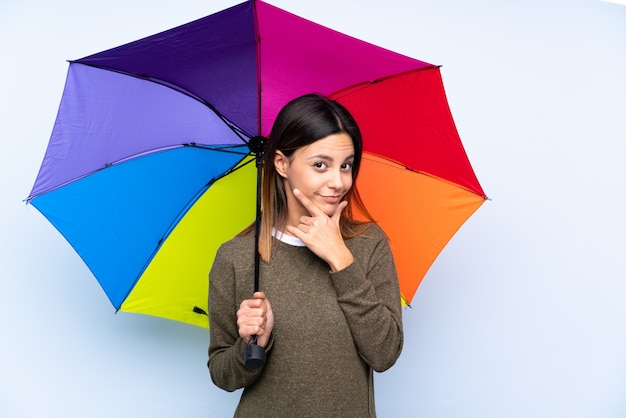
<point x="199" y="310"/>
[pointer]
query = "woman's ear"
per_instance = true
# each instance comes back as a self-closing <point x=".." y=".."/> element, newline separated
<point x="281" y="163"/>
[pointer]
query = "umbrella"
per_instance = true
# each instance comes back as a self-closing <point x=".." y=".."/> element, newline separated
<point x="149" y="168"/>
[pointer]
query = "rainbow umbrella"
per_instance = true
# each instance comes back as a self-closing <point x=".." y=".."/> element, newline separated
<point x="149" y="169"/>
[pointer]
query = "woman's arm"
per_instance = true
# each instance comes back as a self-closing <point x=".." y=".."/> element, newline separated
<point x="365" y="278"/>
<point x="369" y="295"/>
<point x="226" y="347"/>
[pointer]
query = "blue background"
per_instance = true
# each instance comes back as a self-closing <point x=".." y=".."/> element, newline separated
<point x="523" y="313"/>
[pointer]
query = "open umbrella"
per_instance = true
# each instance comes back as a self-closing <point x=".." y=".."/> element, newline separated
<point x="149" y="167"/>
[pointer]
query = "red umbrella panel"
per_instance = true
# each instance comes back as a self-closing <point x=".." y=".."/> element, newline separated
<point x="148" y="168"/>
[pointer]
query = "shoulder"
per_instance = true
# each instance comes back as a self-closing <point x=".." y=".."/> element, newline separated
<point x="235" y="252"/>
<point x="371" y="238"/>
<point x="236" y="244"/>
<point x="375" y="231"/>
<point x="372" y="232"/>
<point x="234" y="261"/>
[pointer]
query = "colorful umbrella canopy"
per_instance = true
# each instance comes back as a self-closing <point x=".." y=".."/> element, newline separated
<point x="148" y="170"/>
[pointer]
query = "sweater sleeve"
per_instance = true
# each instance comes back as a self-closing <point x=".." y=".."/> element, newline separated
<point x="226" y="363"/>
<point x="369" y="295"/>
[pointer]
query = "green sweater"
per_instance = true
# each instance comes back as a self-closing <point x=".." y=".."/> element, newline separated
<point x="330" y="329"/>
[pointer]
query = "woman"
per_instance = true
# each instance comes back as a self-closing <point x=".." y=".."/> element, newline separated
<point x="330" y="311"/>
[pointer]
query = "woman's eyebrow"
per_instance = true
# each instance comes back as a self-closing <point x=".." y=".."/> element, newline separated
<point x="328" y="157"/>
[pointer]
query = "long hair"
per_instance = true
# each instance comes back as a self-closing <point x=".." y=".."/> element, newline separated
<point x="301" y="122"/>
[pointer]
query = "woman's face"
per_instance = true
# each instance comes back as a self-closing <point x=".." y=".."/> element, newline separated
<point x="322" y="171"/>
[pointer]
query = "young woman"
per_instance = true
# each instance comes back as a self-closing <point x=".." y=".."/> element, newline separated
<point x="330" y="312"/>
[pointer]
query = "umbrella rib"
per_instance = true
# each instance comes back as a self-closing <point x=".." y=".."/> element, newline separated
<point x="145" y="77"/>
<point x="351" y="89"/>
<point x="225" y="148"/>
<point x="238" y="131"/>
<point x="393" y="163"/>
<point x="240" y="164"/>
<point x="451" y="183"/>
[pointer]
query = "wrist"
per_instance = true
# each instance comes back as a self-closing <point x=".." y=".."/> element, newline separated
<point x="341" y="262"/>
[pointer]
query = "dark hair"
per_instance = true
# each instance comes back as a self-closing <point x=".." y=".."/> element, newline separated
<point x="301" y="122"/>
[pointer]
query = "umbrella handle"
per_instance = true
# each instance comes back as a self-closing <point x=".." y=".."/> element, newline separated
<point x="254" y="355"/>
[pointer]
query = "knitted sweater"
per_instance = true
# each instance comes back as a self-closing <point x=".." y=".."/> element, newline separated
<point x="330" y="329"/>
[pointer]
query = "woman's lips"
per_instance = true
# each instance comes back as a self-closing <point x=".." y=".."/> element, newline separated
<point x="332" y="199"/>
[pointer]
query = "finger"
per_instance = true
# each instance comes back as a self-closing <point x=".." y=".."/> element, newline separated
<point x="261" y="305"/>
<point x="251" y="322"/>
<point x="313" y="209"/>
<point x="250" y="316"/>
<point x="265" y="303"/>
<point x="296" y="232"/>
<point x="246" y="332"/>
<point x="251" y="304"/>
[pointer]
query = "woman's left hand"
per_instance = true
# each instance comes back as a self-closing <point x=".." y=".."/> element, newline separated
<point x="321" y="233"/>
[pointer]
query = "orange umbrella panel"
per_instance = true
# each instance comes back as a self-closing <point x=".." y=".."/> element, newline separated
<point x="420" y="213"/>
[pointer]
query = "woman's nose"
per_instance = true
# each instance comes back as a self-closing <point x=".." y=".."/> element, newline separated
<point x="337" y="180"/>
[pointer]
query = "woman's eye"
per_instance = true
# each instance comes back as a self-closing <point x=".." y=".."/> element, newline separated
<point x="346" y="166"/>
<point x="320" y="164"/>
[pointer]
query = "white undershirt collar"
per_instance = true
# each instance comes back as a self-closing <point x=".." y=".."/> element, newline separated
<point x="287" y="239"/>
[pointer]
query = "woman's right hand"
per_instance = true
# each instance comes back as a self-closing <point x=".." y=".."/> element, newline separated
<point x="255" y="317"/>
